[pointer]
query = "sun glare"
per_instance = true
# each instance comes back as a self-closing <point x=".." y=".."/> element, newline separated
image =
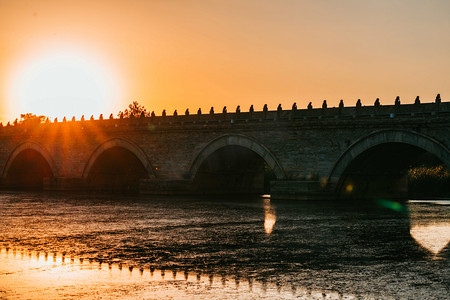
<point x="63" y="83"/>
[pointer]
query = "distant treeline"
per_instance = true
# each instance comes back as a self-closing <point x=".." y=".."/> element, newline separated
<point x="429" y="181"/>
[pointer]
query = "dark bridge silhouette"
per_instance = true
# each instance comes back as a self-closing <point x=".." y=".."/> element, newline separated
<point x="351" y="151"/>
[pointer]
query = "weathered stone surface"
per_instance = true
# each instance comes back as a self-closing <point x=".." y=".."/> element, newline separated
<point x="297" y="145"/>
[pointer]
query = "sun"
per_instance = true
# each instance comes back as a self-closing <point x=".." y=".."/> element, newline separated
<point x="63" y="83"/>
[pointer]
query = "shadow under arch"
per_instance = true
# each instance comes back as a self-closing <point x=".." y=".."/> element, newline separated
<point x="377" y="138"/>
<point x="30" y="146"/>
<point x="119" y="143"/>
<point x="27" y="165"/>
<point x="234" y="164"/>
<point x="237" y="140"/>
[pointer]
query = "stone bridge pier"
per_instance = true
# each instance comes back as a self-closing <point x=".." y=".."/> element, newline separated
<point x="360" y="151"/>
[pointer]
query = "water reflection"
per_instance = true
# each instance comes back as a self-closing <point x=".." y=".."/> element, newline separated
<point x="216" y="248"/>
<point x="34" y="277"/>
<point x="430" y="227"/>
<point x="270" y="216"/>
<point x="432" y="237"/>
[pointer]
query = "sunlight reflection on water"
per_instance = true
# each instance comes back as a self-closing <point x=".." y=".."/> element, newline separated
<point x="432" y="237"/>
<point x="270" y="216"/>
<point x="431" y="231"/>
<point x="174" y="247"/>
<point x="35" y="276"/>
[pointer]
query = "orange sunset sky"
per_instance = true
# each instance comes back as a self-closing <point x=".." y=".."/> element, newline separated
<point x="65" y="58"/>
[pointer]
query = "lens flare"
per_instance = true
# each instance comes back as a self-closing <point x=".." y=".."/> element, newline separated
<point x="392" y="205"/>
<point x="349" y="188"/>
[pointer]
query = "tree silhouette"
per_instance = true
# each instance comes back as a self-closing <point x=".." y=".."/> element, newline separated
<point x="30" y="118"/>
<point x="134" y="110"/>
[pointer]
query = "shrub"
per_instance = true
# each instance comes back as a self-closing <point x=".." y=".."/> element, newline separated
<point x="429" y="181"/>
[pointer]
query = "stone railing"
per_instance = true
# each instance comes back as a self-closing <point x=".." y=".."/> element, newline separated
<point x="377" y="110"/>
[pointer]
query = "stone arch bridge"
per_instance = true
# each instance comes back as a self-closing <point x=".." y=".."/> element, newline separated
<point x="352" y="151"/>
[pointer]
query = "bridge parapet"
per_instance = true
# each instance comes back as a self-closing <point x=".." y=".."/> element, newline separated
<point x="301" y="144"/>
<point x="417" y="110"/>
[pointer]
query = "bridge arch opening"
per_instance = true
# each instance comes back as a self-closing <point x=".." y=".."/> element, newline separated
<point x="27" y="170"/>
<point x="116" y="169"/>
<point x="234" y="169"/>
<point x="376" y="165"/>
<point x="382" y="171"/>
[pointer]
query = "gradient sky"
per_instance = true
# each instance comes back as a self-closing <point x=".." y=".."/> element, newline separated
<point x="191" y="54"/>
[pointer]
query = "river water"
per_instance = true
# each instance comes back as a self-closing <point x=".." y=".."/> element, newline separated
<point x="149" y="247"/>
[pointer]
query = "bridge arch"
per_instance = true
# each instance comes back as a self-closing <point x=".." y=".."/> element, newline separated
<point x="242" y="141"/>
<point x="27" y="166"/>
<point x="384" y="137"/>
<point x="123" y="144"/>
<point x="30" y="146"/>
